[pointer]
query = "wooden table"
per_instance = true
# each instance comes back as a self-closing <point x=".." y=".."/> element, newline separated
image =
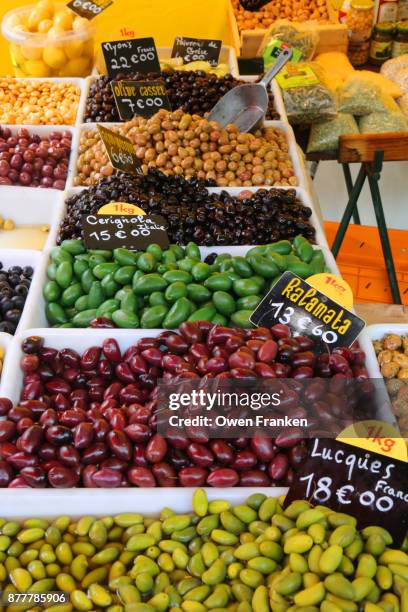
<point x="370" y="151"/>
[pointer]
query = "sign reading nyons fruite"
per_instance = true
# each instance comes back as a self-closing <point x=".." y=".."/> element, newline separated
<point x="144" y="98"/>
<point x="307" y="311"/>
<point x="89" y="9"/>
<point x="197" y="49"/>
<point x="369" y="486"/>
<point x="133" y="55"/>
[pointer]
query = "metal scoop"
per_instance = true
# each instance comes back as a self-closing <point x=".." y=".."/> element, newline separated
<point x="246" y="105"/>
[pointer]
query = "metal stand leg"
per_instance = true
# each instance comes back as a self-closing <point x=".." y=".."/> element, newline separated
<point x="313" y="169"/>
<point x="373" y="178"/>
<point x="351" y="205"/>
<point x="349" y="186"/>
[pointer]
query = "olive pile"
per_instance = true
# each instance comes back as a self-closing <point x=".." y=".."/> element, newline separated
<point x="14" y="285"/>
<point x="392" y="356"/>
<point x="251" y="557"/>
<point x="193" y="214"/>
<point x="195" y="92"/>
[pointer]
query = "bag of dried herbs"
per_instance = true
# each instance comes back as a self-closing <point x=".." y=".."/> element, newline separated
<point x="324" y="136"/>
<point x="302" y="38"/>
<point x="306" y="96"/>
<point x="359" y="97"/>
<point x="391" y="121"/>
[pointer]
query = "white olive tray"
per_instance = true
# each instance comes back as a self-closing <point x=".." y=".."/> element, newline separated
<point x="294" y="151"/>
<point x="43" y="131"/>
<point x="74" y="81"/>
<point x="377" y="332"/>
<point x="51" y="503"/>
<point x="33" y="206"/>
<point x="23" y="257"/>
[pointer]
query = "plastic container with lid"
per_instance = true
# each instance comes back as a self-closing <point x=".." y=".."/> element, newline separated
<point x="400" y="44"/>
<point x="47" y="39"/>
<point x="381" y="43"/>
<point x="360" y="20"/>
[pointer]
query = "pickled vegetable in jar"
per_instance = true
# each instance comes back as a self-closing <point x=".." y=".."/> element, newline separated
<point x="400" y="44"/>
<point x="358" y="53"/>
<point x="49" y="40"/>
<point x="360" y="20"/>
<point x="381" y="43"/>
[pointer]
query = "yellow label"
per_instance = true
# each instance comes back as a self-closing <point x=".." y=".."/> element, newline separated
<point x="377" y="437"/>
<point x="334" y="287"/>
<point x="293" y="76"/>
<point x="120" y="208"/>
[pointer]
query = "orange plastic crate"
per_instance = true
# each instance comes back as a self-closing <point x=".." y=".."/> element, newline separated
<point x="362" y="264"/>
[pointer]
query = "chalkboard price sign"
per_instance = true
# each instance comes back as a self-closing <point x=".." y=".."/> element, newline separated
<point x="307" y="311"/>
<point x="134" y="232"/>
<point x="133" y="55"/>
<point x="120" y="151"/>
<point x="143" y="98"/>
<point x="197" y="49"/>
<point x="89" y="9"/>
<point x="371" y="487"/>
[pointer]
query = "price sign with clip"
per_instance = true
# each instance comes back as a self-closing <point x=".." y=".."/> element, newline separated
<point x="369" y="486"/>
<point x="294" y="302"/>
<point x="197" y="49"/>
<point x="133" y="55"/>
<point x="89" y="9"/>
<point x="143" y="98"/>
<point x="120" y="151"/>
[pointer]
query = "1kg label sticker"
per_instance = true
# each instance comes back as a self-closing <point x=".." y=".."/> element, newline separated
<point x="307" y="311"/>
<point x="143" y="98"/>
<point x="87" y="9"/>
<point x="128" y="232"/>
<point x="127" y="56"/>
<point x="371" y="487"/>
<point x="120" y="151"/>
<point x="197" y="49"/>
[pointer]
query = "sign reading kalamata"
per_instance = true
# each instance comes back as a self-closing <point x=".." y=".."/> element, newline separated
<point x="133" y="55"/>
<point x="371" y="487"/>
<point x="293" y="302"/>
<point x="89" y="9"/>
<point x="144" y="98"/>
<point x="197" y="49"/>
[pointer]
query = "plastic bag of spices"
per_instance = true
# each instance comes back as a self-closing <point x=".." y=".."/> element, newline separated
<point x="305" y="93"/>
<point x="391" y="121"/>
<point x="302" y="38"/>
<point x="324" y="136"/>
<point x="359" y="97"/>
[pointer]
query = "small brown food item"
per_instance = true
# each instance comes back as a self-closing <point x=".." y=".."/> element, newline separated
<point x="392" y="342"/>
<point x="403" y="373"/>
<point x="389" y="370"/>
<point x="384" y="357"/>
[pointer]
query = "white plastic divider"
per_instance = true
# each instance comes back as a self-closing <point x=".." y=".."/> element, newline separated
<point x="74" y="80"/>
<point x="297" y="161"/>
<point x="51" y="503"/>
<point x="44" y="131"/>
<point x="23" y="257"/>
<point x="33" y="206"/>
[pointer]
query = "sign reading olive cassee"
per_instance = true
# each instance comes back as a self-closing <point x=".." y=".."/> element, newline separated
<point x="143" y="98"/>
<point x="89" y="9"/>
<point x="371" y="487"/>
<point x="120" y="151"/>
<point x="134" y="232"/>
<point x="197" y="49"/>
<point x="307" y="311"/>
<point x="133" y="55"/>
